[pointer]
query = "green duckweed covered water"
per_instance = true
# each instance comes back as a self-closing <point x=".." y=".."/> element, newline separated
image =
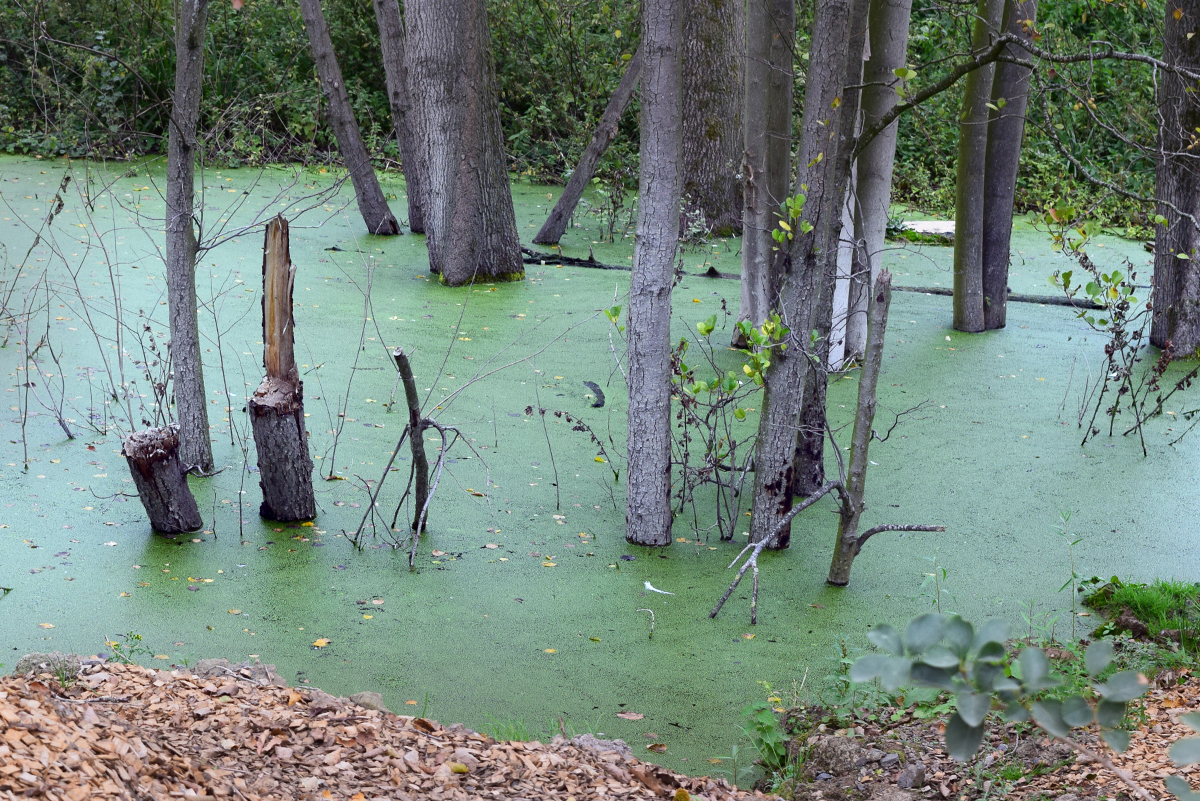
<point x="493" y="635"/>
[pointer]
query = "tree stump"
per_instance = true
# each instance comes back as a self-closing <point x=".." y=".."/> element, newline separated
<point x="277" y="407"/>
<point x="161" y="480"/>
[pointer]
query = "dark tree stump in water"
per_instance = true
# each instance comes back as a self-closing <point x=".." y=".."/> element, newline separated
<point x="161" y="480"/>
<point x="277" y="407"/>
<point x="284" y="464"/>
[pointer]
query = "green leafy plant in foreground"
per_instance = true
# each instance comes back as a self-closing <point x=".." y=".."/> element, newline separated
<point x="768" y="737"/>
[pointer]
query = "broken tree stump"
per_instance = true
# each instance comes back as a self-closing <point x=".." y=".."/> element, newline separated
<point x="161" y="480"/>
<point x="277" y="406"/>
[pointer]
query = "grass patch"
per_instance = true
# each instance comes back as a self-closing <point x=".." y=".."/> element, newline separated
<point x="1168" y="610"/>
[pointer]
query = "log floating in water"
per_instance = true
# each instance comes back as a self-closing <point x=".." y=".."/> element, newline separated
<point x="277" y="406"/>
<point x="161" y="479"/>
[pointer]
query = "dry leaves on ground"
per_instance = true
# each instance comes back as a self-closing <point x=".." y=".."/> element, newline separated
<point x="129" y="732"/>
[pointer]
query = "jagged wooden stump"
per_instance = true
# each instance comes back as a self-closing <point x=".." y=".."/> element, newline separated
<point x="161" y="481"/>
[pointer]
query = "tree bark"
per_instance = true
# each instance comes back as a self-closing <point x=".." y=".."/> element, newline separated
<point x="277" y="406"/>
<point x="823" y="170"/>
<point x="1176" y="314"/>
<point x="846" y="546"/>
<point x="416" y="439"/>
<point x="873" y="183"/>
<point x="648" y="502"/>
<point x="372" y="205"/>
<point x="1006" y="129"/>
<point x="556" y="224"/>
<point x="714" y="35"/>
<point x="191" y="410"/>
<point x="766" y="164"/>
<point x="470" y="225"/>
<point x="161" y="479"/>
<point x="395" y="68"/>
<point x="972" y="163"/>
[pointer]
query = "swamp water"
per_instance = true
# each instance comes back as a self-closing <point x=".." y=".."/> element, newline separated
<point x="546" y="624"/>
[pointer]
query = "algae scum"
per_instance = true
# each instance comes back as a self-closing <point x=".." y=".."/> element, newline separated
<point x="546" y="624"/>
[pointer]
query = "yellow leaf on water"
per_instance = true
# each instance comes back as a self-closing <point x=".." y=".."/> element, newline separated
<point x="45" y="625"/>
<point x="124" y="595"/>
<point x="552" y="650"/>
<point x="321" y="643"/>
<point x="234" y="611"/>
<point x="594" y="639"/>
<point x="307" y="523"/>
<point x="367" y="617"/>
<point x="411" y="703"/>
<point x="549" y="564"/>
<point x="747" y="636"/>
<point x="600" y="459"/>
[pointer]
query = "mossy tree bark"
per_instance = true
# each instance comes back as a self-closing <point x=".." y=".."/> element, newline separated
<point x="161" y="479"/>
<point x="556" y="224"/>
<point x="766" y="164"/>
<point x="971" y="168"/>
<point x="372" y="205"/>
<point x="470" y="225"/>
<point x="191" y="409"/>
<point x="1006" y="130"/>
<point x="277" y="407"/>
<point x="1176" y="319"/>
<point x="395" y="67"/>
<point x="823" y="168"/>
<point x="714" y="35"/>
<point x="648" y="502"/>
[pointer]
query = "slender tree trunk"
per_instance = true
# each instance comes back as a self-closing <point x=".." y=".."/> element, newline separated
<point x="1010" y="96"/>
<point x="556" y="224"/>
<point x="766" y="164"/>
<point x="846" y="546"/>
<point x="416" y="440"/>
<point x="889" y="48"/>
<point x="714" y="34"/>
<point x="195" y="448"/>
<point x="972" y="164"/>
<point x="823" y="170"/>
<point x="470" y="225"/>
<point x="809" y="470"/>
<point x="395" y="67"/>
<point x="277" y="407"/>
<point x="1176" y="301"/>
<point x="161" y="479"/>
<point x="648" y="501"/>
<point x="372" y="205"/>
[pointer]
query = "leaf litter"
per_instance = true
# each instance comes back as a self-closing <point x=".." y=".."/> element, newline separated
<point x="236" y="731"/>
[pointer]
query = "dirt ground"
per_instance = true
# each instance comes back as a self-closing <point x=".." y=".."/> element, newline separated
<point x="97" y="730"/>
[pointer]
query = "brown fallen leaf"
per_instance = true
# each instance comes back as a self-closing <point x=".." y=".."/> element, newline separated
<point x="657" y="748"/>
<point x="630" y="715"/>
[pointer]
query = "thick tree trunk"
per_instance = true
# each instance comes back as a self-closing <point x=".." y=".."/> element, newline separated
<point x="556" y="224"/>
<point x="470" y="225"/>
<point x="195" y="448"/>
<point x="972" y="163"/>
<point x="161" y="479"/>
<point x="277" y="406"/>
<point x="809" y="470"/>
<point x="395" y="68"/>
<point x="714" y="35"/>
<point x="823" y="169"/>
<point x="1010" y="96"/>
<point x="846" y="546"/>
<point x="766" y="164"/>
<point x="1177" y="243"/>
<point x="648" y="501"/>
<point x="372" y="205"/>
<point x="889" y="48"/>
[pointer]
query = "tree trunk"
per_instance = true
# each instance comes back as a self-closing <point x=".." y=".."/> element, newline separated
<point x="395" y="68"/>
<point x="161" y="479"/>
<point x="277" y="406"/>
<point x="1010" y="96"/>
<point x="972" y="163"/>
<point x="195" y="448"/>
<point x="823" y="170"/>
<point x="889" y="48"/>
<point x="372" y="205"/>
<point x="648" y="502"/>
<point x="556" y="224"/>
<point x="1177" y="242"/>
<point x="416" y="439"/>
<point x="766" y="165"/>
<point x="470" y="225"/>
<point x="809" y="470"/>
<point x="714" y="35"/>
<point x="846" y="546"/>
